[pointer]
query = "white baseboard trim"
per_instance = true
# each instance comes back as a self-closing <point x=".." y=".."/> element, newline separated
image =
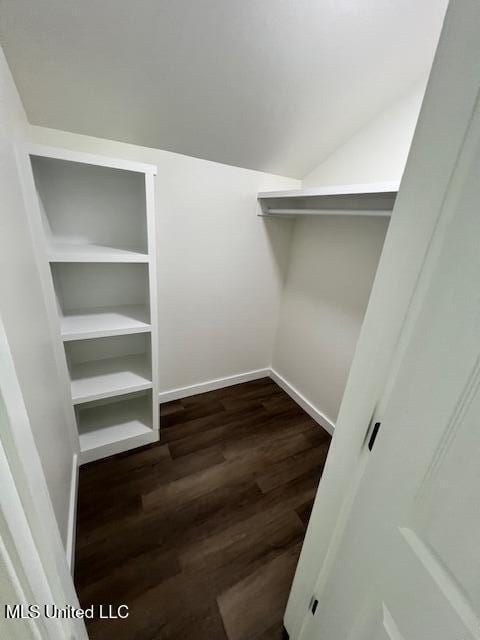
<point x="307" y="406"/>
<point x="72" y="515"/>
<point x="212" y="385"/>
<point x="220" y="383"/>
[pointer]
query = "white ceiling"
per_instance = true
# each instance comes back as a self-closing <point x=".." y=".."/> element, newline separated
<point x="274" y="85"/>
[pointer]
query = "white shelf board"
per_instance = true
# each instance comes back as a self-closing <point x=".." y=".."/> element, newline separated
<point x="116" y="444"/>
<point x="109" y="377"/>
<point x="372" y="199"/>
<point x="107" y="425"/>
<point x="94" y="435"/>
<point x="70" y="252"/>
<point x="102" y="322"/>
<point x="62" y="153"/>
<point x="335" y="190"/>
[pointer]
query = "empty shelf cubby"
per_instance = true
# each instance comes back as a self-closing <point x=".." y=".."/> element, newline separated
<point x="110" y="424"/>
<point x="91" y="213"/>
<point x="109" y="367"/>
<point x="97" y="299"/>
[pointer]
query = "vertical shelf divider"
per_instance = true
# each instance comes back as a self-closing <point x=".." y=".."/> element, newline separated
<point x="153" y="292"/>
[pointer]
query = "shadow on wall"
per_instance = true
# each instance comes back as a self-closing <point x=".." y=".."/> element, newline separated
<point x="280" y="234"/>
<point x="333" y="262"/>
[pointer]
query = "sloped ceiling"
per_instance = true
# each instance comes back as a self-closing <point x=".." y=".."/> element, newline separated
<point x="274" y="85"/>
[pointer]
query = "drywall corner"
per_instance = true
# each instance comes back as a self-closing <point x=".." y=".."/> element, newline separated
<point x="378" y="151"/>
<point x="314" y="412"/>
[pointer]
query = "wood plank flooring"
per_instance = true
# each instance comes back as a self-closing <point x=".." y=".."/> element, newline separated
<point x="200" y="534"/>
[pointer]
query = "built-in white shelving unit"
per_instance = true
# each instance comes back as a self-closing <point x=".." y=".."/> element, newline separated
<point x="96" y="226"/>
<point x="372" y="199"/>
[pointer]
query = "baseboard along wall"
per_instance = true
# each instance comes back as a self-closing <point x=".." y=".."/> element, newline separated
<point x="306" y="405"/>
<point x="220" y="383"/>
<point x="212" y="385"/>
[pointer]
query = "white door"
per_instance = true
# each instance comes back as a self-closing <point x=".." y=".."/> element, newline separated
<point x="408" y="565"/>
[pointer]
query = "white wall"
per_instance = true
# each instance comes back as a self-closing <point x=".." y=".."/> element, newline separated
<point x="332" y="266"/>
<point x="226" y="276"/>
<point x="24" y="314"/>
<point x="334" y="261"/>
<point x="378" y="151"/>
<point x="221" y="268"/>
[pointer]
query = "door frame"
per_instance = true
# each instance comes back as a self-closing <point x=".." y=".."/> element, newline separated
<point x="445" y="116"/>
<point x="30" y="541"/>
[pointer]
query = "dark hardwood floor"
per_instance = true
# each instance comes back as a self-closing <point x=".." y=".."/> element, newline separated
<point x="200" y="534"/>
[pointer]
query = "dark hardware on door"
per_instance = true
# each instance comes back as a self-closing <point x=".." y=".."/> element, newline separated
<point x="373" y="437"/>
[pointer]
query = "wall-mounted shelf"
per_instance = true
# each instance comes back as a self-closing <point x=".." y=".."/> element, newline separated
<point x="372" y="199"/>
